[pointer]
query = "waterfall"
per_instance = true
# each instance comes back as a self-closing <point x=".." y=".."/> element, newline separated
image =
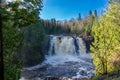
<point x="66" y="45"/>
<point x="65" y="58"/>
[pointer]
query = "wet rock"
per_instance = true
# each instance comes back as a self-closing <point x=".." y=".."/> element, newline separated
<point x="82" y="72"/>
<point x="67" y="70"/>
<point x="64" y="78"/>
<point x="51" y="78"/>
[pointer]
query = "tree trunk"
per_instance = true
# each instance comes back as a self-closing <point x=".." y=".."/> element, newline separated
<point x="1" y="50"/>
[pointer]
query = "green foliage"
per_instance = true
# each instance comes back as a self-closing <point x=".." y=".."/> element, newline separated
<point x="11" y="42"/>
<point x="116" y="78"/>
<point x="25" y="12"/>
<point x="110" y="76"/>
<point x="89" y="23"/>
<point x="14" y="18"/>
<point x="34" y="39"/>
<point x="72" y="26"/>
<point x="106" y="32"/>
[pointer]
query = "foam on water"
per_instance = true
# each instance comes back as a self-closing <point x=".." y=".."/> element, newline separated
<point x="62" y="49"/>
<point x="61" y="59"/>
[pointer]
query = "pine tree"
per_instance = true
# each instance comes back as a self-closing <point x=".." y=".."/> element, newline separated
<point x="90" y="12"/>
<point x="79" y="17"/>
<point x="95" y="13"/>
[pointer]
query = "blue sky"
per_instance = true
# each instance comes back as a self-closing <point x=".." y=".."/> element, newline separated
<point x="67" y="9"/>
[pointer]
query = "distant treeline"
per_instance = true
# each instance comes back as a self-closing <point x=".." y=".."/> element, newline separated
<point x="72" y="26"/>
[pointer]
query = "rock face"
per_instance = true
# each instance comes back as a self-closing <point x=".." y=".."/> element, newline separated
<point x="88" y="41"/>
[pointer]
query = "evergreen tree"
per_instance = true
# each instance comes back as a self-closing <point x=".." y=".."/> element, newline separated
<point x="16" y="15"/>
<point x="95" y="13"/>
<point x="106" y="49"/>
<point x="79" y="17"/>
<point x="90" y="12"/>
<point x="34" y="39"/>
<point x="88" y="23"/>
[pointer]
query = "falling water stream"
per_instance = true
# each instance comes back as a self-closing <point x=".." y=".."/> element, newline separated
<point x="66" y="57"/>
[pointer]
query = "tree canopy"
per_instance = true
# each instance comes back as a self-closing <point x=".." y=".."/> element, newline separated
<point x="106" y="32"/>
<point x="15" y="16"/>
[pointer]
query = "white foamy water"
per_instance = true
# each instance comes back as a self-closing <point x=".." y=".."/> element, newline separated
<point x="64" y="51"/>
<point x="66" y="45"/>
<point x="61" y="59"/>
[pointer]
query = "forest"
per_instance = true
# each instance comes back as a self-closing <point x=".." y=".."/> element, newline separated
<point x="24" y="34"/>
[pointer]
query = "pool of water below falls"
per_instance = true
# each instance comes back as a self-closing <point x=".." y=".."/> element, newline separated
<point x="66" y="58"/>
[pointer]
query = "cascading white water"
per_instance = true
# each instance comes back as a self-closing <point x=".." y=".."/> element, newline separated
<point x="82" y="47"/>
<point x="65" y="48"/>
<point x="65" y="45"/>
<point x="66" y="58"/>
